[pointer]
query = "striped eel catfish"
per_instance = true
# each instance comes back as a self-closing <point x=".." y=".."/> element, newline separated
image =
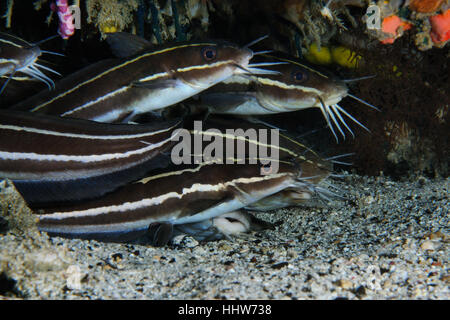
<point x="287" y="148"/>
<point x="20" y="56"/>
<point x="297" y="86"/>
<point x="143" y="80"/>
<point x="204" y="200"/>
<point x="51" y="159"/>
<point x="178" y="197"/>
<point x="313" y="169"/>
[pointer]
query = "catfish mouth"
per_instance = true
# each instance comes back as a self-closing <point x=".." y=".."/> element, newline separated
<point x="333" y="113"/>
<point x="246" y="56"/>
<point x="30" y="60"/>
<point x="241" y="64"/>
<point x="32" y="57"/>
<point x="336" y="92"/>
<point x="334" y="97"/>
<point x="32" y="68"/>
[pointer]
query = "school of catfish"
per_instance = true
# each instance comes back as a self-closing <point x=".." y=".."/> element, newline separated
<point x="91" y="153"/>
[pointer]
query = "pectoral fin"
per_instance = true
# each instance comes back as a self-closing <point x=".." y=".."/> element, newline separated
<point x="225" y="100"/>
<point x="160" y="233"/>
<point x="42" y="193"/>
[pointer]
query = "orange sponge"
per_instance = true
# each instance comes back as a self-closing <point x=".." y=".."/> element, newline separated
<point x="391" y="24"/>
<point x="440" y="27"/>
<point x="425" y="6"/>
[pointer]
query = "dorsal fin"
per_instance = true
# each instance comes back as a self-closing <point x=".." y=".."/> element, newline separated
<point x="124" y="44"/>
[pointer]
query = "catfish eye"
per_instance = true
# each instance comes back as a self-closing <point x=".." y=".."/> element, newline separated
<point x="209" y="53"/>
<point x="299" y="76"/>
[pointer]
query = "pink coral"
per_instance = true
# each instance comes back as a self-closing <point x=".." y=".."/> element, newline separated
<point x="66" y="26"/>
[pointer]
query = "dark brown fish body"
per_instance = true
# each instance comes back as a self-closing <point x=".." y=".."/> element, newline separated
<point x="119" y="89"/>
<point x="53" y="159"/>
<point x="314" y="167"/>
<point x="200" y="197"/>
<point x="313" y="170"/>
<point x="297" y="86"/>
<point x="288" y="147"/>
<point x="176" y="197"/>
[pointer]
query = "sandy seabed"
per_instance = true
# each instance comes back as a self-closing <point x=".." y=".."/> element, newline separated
<point x="389" y="240"/>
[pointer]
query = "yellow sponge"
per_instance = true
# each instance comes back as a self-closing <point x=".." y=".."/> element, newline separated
<point x="345" y="57"/>
<point x="327" y="55"/>
<point x="322" y="56"/>
<point x="108" y="29"/>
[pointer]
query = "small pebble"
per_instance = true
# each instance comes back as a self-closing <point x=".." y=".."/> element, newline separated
<point x="184" y="241"/>
<point x="74" y="277"/>
<point x="429" y="245"/>
<point x="344" y="284"/>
